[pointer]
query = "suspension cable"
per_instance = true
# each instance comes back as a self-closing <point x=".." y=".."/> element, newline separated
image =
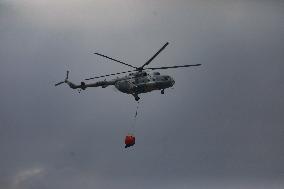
<point x="135" y="118"/>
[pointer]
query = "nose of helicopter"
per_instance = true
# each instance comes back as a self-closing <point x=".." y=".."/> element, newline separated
<point x="172" y="81"/>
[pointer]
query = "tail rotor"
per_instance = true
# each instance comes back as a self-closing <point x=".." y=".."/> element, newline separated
<point x="66" y="79"/>
<point x="67" y="75"/>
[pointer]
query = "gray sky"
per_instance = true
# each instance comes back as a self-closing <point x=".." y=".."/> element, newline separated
<point x="221" y="126"/>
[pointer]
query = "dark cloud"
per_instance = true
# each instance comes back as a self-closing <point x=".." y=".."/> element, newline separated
<point x="221" y="126"/>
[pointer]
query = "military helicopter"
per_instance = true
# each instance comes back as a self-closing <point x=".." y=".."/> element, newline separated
<point x="136" y="81"/>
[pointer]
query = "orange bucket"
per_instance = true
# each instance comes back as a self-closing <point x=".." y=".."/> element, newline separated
<point x="129" y="140"/>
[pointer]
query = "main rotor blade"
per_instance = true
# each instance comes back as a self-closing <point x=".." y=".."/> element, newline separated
<point x="59" y="83"/>
<point x="152" y="58"/>
<point x="112" y="74"/>
<point x="115" y="60"/>
<point x="168" y="67"/>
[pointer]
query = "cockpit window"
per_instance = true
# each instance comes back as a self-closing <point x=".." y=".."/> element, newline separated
<point x="156" y="73"/>
<point x="167" y="78"/>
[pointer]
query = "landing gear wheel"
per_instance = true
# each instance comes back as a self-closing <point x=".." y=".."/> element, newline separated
<point x="136" y="97"/>
<point x="162" y="91"/>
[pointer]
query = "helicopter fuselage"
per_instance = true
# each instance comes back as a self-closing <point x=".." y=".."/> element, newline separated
<point x="141" y="82"/>
<point x="134" y="83"/>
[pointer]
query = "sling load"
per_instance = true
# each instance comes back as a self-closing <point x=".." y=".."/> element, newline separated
<point x="130" y="138"/>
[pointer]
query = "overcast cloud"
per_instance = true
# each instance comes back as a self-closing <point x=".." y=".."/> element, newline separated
<point x="221" y="126"/>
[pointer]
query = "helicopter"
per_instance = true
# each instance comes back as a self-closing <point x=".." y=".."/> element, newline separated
<point x="135" y="81"/>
